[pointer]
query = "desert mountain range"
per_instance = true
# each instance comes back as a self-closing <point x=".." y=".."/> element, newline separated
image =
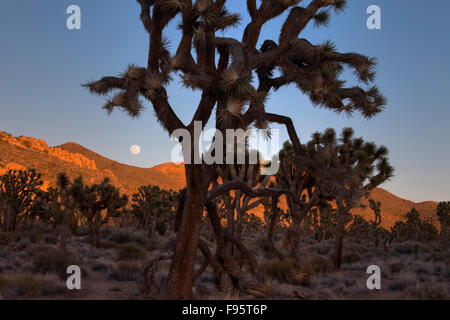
<point x="18" y="153"/>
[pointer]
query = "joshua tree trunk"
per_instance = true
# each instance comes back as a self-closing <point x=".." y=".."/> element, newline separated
<point x="9" y="223"/>
<point x="64" y="229"/>
<point x="340" y="230"/>
<point x="94" y="233"/>
<point x="179" y="285"/>
<point x="444" y="234"/>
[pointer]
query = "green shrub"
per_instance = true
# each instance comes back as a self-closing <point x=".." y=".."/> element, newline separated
<point x="130" y="251"/>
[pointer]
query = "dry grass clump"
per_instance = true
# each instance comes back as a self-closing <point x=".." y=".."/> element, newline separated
<point x="297" y="272"/>
<point x="31" y="285"/>
<point x="25" y="285"/>
<point x="51" y="284"/>
<point x="49" y="259"/>
<point x="428" y="291"/>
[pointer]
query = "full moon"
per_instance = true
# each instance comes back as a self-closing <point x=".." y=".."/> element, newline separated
<point x="135" y="150"/>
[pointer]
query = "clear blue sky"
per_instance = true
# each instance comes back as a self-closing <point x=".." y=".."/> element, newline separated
<point x="42" y="65"/>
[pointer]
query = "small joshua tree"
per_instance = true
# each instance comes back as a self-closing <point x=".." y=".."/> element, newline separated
<point x="226" y="83"/>
<point x="375" y="206"/>
<point x="97" y="203"/>
<point x="68" y="206"/>
<point x="56" y="206"/>
<point x="17" y="192"/>
<point x="443" y="213"/>
<point x="154" y="209"/>
<point x="360" y="228"/>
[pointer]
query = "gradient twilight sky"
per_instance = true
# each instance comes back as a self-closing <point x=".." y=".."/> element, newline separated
<point x="42" y="65"/>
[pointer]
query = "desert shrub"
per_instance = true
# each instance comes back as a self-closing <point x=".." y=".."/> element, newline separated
<point x="101" y="266"/>
<point x="273" y="287"/>
<point x="297" y="272"/>
<point x="324" y="249"/>
<point x="351" y="257"/>
<point x="396" y="267"/>
<point x="25" y="285"/>
<point x="126" y="271"/>
<point x="82" y="231"/>
<point x="277" y="269"/>
<point x="50" y="239"/>
<point x="161" y="227"/>
<point x="428" y="291"/>
<point x="423" y="269"/>
<point x="51" y="284"/>
<point x="51" y="260"/>
<point x="130" y="251"/>
<point x="322" y="264"/>
<point x="7" y="238"/>
<point x="405" y="248"/>
<point x="121" y="236"/>
<point x="35" y="235"/>
<point x="398" y="285"/>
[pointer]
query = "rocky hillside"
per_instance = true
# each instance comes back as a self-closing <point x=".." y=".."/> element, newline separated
<point x="22" y="152"/>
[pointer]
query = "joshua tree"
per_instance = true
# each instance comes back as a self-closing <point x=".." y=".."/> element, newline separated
<point x="398" y="231"/>
<point x="413" y="224"/>
<point x="154" y="209"/>
<point x="443" y="213"/>
<point x="359" y="228"/>
<point x="17" y="191"/>
<point x="375" y="206"/>
<point x="327" y="221"/>
<point x="295" y="176"/>
<point x="57" y="206"/>
<point x="93" y="201"/>
<point x="273" y="215"/>
<point x="354" y="168"/>
<point x="68" y="206"/>
<point x="226" y="83"/>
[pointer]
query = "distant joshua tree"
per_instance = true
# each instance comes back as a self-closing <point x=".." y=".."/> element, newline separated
<point x="227" y="84"/>
<point x="154" y="209"/>
<point x="97" y="203"/>
<point x="443" y="213"/>
<point x="375" y="206"/>
<point x="57" y="206"/>
<point x="355" y="167"/>
<point x="17" y="192"/>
